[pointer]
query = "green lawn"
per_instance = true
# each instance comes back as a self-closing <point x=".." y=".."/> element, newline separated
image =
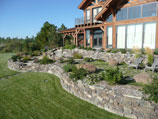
<point x="40" y="96"/>
<point x="4" y="71"/>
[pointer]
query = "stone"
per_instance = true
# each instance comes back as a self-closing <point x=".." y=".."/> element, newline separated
<point x="113" y="63"/>
<point x="91" y="68"/>
<point x="143" y="78"/>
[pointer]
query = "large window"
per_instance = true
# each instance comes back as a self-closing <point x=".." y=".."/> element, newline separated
<point x="140" y="11"/>
<point x="150" y="10"/>
<point x="137" y="35"/>
<point x="134" y="35"/>
<point x="88" y="37"/>
<point x="122" y="14"/>
<point x="134" y="12"/>
<point x="109" y="18"/>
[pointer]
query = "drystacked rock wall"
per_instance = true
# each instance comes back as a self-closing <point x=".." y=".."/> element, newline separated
<point x="122" y="100"/>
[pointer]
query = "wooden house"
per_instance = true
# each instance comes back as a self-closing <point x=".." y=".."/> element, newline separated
<point x="116" y="24"/>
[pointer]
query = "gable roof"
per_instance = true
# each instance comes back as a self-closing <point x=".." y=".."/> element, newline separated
<point x="109" y="7"/>
<point x="84" y="4"/>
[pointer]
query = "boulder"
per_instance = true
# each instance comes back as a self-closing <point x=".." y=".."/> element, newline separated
<point x="89" y="67"/>
<point x="143" y="78"/>
<point x="113" y="63"/>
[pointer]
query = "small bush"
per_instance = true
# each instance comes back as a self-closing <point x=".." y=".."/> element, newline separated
<point x="88" y="59"/>
<point x="78" y="74"/>
<point x="138" y="55"/>
<point x="77" y="56"/>
<point x="46" y="60"/>
<point x="156" y="51"/>
<point x="70" y="61"/>
<point x="61" y="60"/>
<point x="113" y="75"/>
<point x="26" y="58"/>
<point x="136" y="50"/>
<point x="69" y="68"/>
<point x="92" y="79"/>
<point x="148" y="50"/>
<point x="122" y="63"/>
<point x="16" y="58"/>
<point x="150" y="59"/>
<point x="114" y="51"/>
<point x="152" y="90"/>
<point x="123" y="51"/>
<point x="36" y="53"/>
<point x="70" y="47"/>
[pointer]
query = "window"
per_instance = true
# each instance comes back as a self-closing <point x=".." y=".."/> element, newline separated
<point x="95" y="12"/>
<point x="109" y="18"/>
<point x="134" y="12"/>
<point x="121" y="33"/>
<point x="150" y="10"/>
<point x="134" y="35"/>
<point x="109" y="37"/>
<point x="88" y="16"/>
<point x="150" y="35"/>
<point x="122" y="14"/>
<point x="88" y="37"/>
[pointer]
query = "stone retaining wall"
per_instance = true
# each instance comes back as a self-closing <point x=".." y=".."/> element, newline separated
<point x="93" y="54"/>
<point x="122" y="100"/>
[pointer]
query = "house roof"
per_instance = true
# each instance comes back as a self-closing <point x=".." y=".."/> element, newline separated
<point x="84" y="4"/>
<point x="68" y="30"/>
<point x="109" y="7"/>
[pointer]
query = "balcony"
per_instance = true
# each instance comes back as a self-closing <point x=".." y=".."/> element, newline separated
<point x="83" y="21"/>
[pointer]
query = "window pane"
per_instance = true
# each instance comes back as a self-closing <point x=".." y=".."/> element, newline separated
<point x="134" y="35"/>
<point x="150" y="35"/>
<point x="121" y="37"/>
<point x="88" y="37"/>
<point x="122" y="14"/>
<point x="109" y="37"/>
<point x="134" y="12"/>
<point x="150" y="10"/>
<point x="109" y="18"/>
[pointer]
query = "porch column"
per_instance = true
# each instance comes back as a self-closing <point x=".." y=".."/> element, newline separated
<point x="91" y="38"/>
<point x="157" y="32"/>
<point x="85" y="44"/>
<point x="114" y="45"/>
<point x="104" y="37"/>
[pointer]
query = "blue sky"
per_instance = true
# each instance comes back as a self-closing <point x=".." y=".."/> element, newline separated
<point x="21" y="18"/>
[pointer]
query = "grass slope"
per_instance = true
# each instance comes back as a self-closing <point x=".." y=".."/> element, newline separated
<point x="40" y="96"/>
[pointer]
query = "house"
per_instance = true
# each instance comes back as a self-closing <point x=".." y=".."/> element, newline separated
<point x="116" y="24"/>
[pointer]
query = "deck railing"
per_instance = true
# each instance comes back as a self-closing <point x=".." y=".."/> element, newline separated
<point x="82" y="20"/>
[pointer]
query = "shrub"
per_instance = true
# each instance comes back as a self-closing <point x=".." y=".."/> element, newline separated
<point x="36" y="53"/>
<point x="61" y="60"/>
<point x="113" y="75"/>
<point x="88" y="59"/>
<point x="156" y="51"/>
<point x="70" y="61"/>
<point x="26" y="58"/>
<point x="150" y="59"/>
<point x="77" y="56"/>
<point x="46" y="60"/>
<point x="136" y="50"/>
<point x="138" y="55"/>
<point x="152" y="90"/>
<point x="16" y="58"/>
<point x="149" y="52"/>
<point x="114" y="51"/>
<point x="123" y="51"/>
<point x="70" y="47"/>
<point x="92" y="79"/>
<point x="78" y="74"/>
<point x="69" y="68"/>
